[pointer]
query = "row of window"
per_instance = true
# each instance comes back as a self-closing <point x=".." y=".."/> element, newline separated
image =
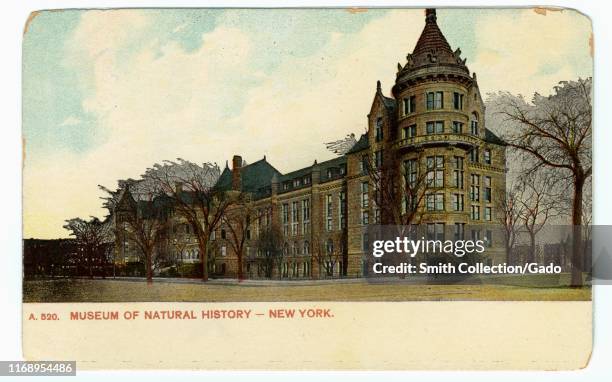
<point x="299" y="209"/>
<point x="435" y="127"/>
<point x="433" y="101"/>
<point x="435" y="175"/>
<point x="435" y="203"/>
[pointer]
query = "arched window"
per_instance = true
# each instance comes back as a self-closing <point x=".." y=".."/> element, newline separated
<point x="474" y="124"/>
<point x="286" y="249"/>
<point x="306" y="247"/>
<point x="296" y="249"/>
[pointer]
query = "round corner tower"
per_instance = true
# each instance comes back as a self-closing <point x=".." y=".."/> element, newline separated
<point x="437" y="129"/>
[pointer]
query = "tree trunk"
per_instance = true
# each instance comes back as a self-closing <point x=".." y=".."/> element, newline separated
<point x="202" y="244"/>
<point x="532" y="248"/>
<point x="577" y="258"/>
<point x="90" y="265"/>
<point x="149" y="266"/>
<point x="240" y="272"/>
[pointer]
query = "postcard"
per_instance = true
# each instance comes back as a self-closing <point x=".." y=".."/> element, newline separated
<point x="308" y="189"/>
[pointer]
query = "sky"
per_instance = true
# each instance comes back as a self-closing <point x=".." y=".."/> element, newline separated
<point x="108" y="93"/>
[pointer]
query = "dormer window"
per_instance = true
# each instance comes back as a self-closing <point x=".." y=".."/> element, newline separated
<point x="474" y="124"/>
<point x="296" y="182"/>
<point x="330" y="173"/>
<point x="379" y="129"/>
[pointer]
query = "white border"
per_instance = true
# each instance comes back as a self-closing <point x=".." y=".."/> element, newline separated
<point x="13" y="20"/>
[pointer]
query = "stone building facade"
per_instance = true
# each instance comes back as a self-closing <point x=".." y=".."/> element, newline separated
<point x="432" y="123"/>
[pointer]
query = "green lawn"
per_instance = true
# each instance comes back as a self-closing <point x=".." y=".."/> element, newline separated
<point x="131" y="291"/>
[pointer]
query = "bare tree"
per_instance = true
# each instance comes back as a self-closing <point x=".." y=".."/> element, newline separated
<point x="191" y="188"/>
<point x="270" y="246"/>
<point x="239" y="219"/>
<point x="90" y="236"/>
<point x="539" y="203"/>
<point x="327" y="253"/>
<point x="399" y="188"/>
<point x="145" y="223"/>
<point x="509" y="218"/>
<point x="342" y="146"/>
<point x="555" y="132"/>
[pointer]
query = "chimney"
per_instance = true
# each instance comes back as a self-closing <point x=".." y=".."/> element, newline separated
<point x="236" y="175"/>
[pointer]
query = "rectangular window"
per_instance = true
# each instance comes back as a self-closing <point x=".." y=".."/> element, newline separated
<point x="365" y="217"/>
<point x="363" y="164"/>
<point x="487" y="214"/>
<point x="457" y="127"/>
<point x="487" y="189"/>
<point x="409" y="132"/>
<point x="285" y="214"/>
<point x="435" y="202"/>
<point x="474" y="126"/>
<point x="379" y="129"/>
<point x="458" y="172"/>
<point x="435" y="171"/>
<point x="409" y="105"/>
<point x="329" y="211"/>
<point x="364" y="195"/>
<point x="475" y="188"/>
<point x="342" y="202"/>
<point x="378" y="159"/>
<point x="487" y="156"/>
<point x="365" y="242"/>
<point x="435" y="231"/>
<point x="474" y="155"/>
<point x="475" y="234"/>
<point x="434" y="127"/>
<point x="488" y="239"/>
<point x="295" y="214"/>
<point x="435" y="100"/>
<point x="459" y="231"/>
<point x="457" y="202"/>
<point x="458" y="101"/>
<point x="475" y="212"/>
<point x="411" y="169"/>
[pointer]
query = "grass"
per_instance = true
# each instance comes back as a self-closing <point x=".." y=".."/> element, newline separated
<point x="109" y="290"/>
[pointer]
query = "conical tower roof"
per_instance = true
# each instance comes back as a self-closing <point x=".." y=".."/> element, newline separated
<point x="432" y="56"/>
<point x="431" y="39"/>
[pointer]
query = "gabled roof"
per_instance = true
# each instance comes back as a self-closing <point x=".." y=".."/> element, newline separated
<point x="254" y="177"/>
<point x="492" y="138"/>
<point x="361" y="144"/>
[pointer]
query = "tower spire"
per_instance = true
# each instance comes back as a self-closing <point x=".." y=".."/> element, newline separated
<point x="430" y="15"/>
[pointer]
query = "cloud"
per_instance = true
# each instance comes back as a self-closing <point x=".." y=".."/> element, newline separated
<point x="531" y="52"/>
